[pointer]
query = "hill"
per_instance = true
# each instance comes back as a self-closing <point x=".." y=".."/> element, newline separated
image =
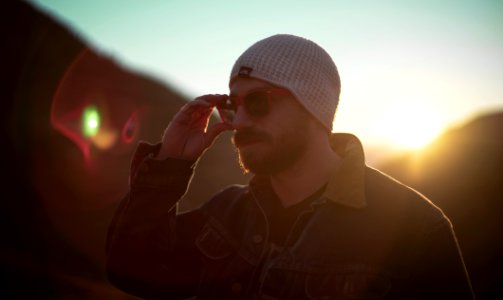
<point x="462" y="173"/>
<point x="61" y="183"/>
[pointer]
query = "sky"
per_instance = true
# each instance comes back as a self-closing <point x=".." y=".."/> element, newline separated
<point x="409" y="69"/>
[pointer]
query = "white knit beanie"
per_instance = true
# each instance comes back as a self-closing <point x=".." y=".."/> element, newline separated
<point x="298" y="65"/>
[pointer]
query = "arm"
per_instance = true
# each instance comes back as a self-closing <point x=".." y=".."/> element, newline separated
<point x="440" y="270"/>
<point x="150" y="248"/>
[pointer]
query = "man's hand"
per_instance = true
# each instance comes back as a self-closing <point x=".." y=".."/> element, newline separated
<point x="188" y="135"/>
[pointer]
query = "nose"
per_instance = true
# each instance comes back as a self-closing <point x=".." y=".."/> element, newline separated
<point x="241" y="119"/>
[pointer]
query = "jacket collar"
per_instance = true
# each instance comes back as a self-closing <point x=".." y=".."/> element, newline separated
<point x="346" y="185"/>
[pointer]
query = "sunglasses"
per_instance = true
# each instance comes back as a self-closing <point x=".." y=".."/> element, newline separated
<point x="256" y="103"/>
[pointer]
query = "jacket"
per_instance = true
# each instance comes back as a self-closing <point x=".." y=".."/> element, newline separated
<point x="366" y="237"/>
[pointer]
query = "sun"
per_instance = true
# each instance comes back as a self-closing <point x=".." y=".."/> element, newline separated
<point x="409" y="126"/>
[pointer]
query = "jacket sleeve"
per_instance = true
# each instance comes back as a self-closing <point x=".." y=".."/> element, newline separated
<point x="440" y="272"/>
<point x="150" y="248"/>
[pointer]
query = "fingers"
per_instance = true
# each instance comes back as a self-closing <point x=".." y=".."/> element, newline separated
<point x="212" y="133"/>
<point x="214" y="130"/>
<point x="213" y="99"/>
<point x="197" y="112"/>
<point x="188" y="134"/>
<point x="205" y="101"/>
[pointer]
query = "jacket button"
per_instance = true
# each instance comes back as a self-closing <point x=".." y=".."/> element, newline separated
<point x="257" y="239"/>
<point x="236" y="287"/>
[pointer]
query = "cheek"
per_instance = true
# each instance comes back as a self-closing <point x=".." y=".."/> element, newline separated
<point x="293" y="119"/>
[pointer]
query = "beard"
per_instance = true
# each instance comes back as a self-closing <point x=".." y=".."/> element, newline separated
<point x="276" y="153"/>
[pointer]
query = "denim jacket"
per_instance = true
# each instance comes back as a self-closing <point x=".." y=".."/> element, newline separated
<point x="367" y="237"/>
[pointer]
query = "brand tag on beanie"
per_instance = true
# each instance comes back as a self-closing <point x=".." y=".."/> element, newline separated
<point x="245" y="71"/>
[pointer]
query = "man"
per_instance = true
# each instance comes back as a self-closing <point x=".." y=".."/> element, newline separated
<point x="313" y="223"/>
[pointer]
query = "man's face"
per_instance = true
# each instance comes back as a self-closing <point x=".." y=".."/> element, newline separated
<point x="273" y="142"/>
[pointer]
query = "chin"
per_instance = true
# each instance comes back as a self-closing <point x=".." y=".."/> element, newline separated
<point x="252" y="151"/>
<point x="253" y="162"/>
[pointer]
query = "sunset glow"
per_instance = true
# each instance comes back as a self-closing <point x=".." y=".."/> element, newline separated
<point x="410" y="126"/>
<point x="409" y="70"/>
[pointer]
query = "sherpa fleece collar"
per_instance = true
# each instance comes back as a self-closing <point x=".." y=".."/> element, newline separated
<point x="346" y="185"/>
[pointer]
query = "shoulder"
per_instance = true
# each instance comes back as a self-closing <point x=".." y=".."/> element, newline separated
<point x="386" y="194"/>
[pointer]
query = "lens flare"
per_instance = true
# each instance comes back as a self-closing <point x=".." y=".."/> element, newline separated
<point x="90" y="121"/>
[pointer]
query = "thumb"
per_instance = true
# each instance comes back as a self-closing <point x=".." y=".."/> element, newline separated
<point x="215" y="130"/>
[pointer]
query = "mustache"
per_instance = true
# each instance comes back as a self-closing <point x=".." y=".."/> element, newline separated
<point x="247" y="135"/>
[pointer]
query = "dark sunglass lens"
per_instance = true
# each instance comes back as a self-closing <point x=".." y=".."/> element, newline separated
<point x="257" y="104"/>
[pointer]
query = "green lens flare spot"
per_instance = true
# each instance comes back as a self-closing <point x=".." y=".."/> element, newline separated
<point x="90" y="121"/>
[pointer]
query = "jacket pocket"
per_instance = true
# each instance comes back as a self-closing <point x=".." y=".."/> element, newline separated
<point x="212" y="244"/>
<point x="347" y="285"/>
